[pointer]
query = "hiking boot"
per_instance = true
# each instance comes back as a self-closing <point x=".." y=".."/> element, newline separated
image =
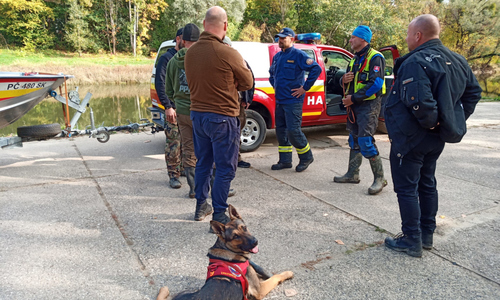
<point x="379" y="181"/>
<point x="175" y="183"/>
<point x="243" y="164"/>
<point x="281" y="166"/>
<point x="352" y="175"/>
<point x="427" y="240"/>
<point x="221" y="218"/>
<point x="202" y="211"/>
<point x="411" y="244"/>
<point x="303" y="164"/>
<point x="231" y="193"/>
<point x="190" y="180"/>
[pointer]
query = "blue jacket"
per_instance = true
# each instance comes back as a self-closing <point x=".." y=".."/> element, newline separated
<point x="287" y="72"/>
<point x="434" y="91"/>
<point x="161" y="70"/>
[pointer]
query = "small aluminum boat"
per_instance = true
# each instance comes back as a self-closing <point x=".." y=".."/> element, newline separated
<point x="20" y="92"/>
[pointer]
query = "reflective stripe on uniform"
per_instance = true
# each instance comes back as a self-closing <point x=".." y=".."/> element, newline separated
<point x="285" y="148"/>
<point x="303" y="150"/>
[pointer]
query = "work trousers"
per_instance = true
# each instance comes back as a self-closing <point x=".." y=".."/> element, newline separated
<point x="216" y="140"/>
<point x="186" y="129"/>
<point x="172" y="149"/>
<point x="288" y="119"/>
<point x="362" y="122"/>
<point x="413" y="176"/>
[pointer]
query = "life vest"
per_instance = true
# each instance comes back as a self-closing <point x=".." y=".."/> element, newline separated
<point x="365" y="68"/>
<point x="236" y="271"/>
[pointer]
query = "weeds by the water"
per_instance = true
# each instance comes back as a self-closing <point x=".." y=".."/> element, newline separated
<point x="87" y="69"/>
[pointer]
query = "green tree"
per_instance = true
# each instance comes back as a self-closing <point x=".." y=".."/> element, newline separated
<point x="77" y="28"/>
<point x="25" y="23"/>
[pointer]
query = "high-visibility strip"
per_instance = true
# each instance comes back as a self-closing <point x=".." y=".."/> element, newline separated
<point x="304" y="150"/>
<point x="16" y="93"/>
<point x="314" y="113"/>
<point x="285" y="148"/>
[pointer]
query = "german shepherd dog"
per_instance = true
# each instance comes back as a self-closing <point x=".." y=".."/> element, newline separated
<point x="234" y="247"/>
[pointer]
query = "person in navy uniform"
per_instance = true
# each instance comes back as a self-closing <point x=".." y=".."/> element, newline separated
<point x="364" y="85"/>
<point x="434" y="93"/>
<point x="287" y="74"/>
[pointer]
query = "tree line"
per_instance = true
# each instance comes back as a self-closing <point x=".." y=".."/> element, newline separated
<point x="470" y="27"/>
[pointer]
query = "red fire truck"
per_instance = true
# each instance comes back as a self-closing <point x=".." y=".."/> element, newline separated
<point x="322" y="103"/>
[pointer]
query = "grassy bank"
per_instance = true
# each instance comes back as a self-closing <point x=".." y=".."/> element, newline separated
<point x="88" y="69"/>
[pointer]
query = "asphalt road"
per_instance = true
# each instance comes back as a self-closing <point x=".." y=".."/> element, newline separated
<point x="85" y="220"/>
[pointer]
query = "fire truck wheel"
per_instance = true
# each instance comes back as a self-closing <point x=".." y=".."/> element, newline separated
<point x="254" y="131"/>
<point x="39" y="131"/>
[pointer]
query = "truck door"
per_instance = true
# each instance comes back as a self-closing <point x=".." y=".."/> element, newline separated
<point x="335" y="66"/>
<point x="314" y="101"/>
<point x="390" y="53"/>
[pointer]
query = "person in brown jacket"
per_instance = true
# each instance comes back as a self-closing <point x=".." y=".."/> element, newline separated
<point x="215" y="73"/>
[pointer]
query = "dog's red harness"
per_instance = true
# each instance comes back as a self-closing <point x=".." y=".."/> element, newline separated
<point x="236" y="271"/>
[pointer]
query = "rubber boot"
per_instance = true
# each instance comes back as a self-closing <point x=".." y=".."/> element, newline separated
<point x="352" y="175"/>
<point x="285" y="161"/>
<point x="190" y="180"/>
<point x="379" y="181"/>
<point x="305" y="160"/>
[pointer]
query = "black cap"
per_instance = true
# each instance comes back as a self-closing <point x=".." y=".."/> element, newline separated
<point x="179" y="32"/>
<point x="191" y="33"/>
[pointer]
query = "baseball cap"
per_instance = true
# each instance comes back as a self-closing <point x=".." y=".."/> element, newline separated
<point x="285" y="32"/>
<point x="179" y="32"/>
<point x="191" y="33"/>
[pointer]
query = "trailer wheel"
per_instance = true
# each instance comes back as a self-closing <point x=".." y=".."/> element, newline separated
<point x="39" y="131"/>
<point x="103" y="137"/>
<point x="254" y="131"/>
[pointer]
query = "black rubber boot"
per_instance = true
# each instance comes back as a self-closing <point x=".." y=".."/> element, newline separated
<point x="411" y="244"/>
<point x="379" y="181"/>
<point x="352" y="175"/>
<point x="190" y="180"/>
<point x="427" y="240"/>
<point x="283" y="156"/>
<point x="202" y="211"/>
<point x="175" y="183"/>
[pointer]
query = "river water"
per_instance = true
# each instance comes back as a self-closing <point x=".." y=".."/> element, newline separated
<point x="112" y="105"/>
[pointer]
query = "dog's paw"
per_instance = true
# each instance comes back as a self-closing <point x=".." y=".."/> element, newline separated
<point x="163" y="294"/>
<point x="287" y="275"/>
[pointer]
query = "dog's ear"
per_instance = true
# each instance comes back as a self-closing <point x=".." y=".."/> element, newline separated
<point x="233" y="214"/>
<point x="218" y="228"/>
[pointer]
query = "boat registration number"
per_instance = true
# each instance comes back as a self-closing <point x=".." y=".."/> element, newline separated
<point x="26" y="85"/>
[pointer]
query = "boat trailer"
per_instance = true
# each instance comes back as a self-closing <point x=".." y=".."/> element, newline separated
<point x="50" y="131"/>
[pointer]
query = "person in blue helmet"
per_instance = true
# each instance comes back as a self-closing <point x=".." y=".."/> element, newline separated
<point x="287" y="74"/>
<point x="364" y="84"/>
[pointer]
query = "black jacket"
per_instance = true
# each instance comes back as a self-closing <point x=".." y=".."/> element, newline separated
<point x="161" y="70"/>
<point x="433" y="85"/>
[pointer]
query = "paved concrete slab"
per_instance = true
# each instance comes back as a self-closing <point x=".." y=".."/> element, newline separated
<point x="84" y="220"/>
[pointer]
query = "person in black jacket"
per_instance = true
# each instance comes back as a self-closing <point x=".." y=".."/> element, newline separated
<point x="172" y="133"/>
<point x="433" y="94"/>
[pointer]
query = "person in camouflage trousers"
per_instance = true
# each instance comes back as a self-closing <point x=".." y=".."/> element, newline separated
<point x="173" y="153"/>
<point x="173" y="140"/>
